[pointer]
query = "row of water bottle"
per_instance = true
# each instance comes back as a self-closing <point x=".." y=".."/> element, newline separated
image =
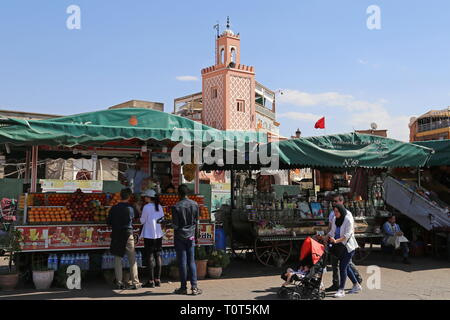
<point x="168" y="256"/>
<point x="79" y="259"/>
<point x="108" y="260"/>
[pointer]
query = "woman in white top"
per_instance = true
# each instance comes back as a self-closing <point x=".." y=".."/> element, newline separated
<point x="342" y="238"/>
<point x="151" y="217"/>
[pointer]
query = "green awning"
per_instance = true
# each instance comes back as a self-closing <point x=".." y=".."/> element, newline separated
<point x="351" y="150"/>
<point x="95" y="128"/>
<point x="441" y="155"/>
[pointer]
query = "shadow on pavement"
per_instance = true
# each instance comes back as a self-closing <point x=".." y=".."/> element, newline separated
<point x="417" y="263"/>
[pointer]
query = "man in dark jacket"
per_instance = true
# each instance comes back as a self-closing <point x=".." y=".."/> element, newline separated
<point x="120" y="218"/>
<point x="184" y="220"/>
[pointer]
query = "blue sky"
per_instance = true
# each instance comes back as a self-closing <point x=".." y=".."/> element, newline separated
<point x="319" y="52"/>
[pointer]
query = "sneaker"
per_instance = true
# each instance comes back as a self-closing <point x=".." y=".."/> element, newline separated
<point x="356" y="288"/>
<point x="340" y="294"/>
<point x="196" y="291"/>
<point x="180" y="291"/>
<point x="157" y="283"/>
<point x="149" y="284"/>
<point x="120" y="286"/>
<point x="135" y="286"/>
<point x="332" y="288"/>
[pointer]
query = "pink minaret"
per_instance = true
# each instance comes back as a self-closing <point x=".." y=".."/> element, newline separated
<point x="228" y="87"/>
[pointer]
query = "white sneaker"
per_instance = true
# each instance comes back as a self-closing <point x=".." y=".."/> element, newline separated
<point x="356" y="288"/>
<point x="340" y="294"/>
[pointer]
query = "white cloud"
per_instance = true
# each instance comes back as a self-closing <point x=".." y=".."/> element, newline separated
<point x="300" y="116"/>
<point x="361" y="61"/>
<point x="360" y="113"/>
<point x="187" y="78"/>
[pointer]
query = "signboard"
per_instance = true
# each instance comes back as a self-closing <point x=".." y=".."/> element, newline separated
<point x="88" y="186"/>
<point x="83" y="237"/>
<point x="220" y="194"/>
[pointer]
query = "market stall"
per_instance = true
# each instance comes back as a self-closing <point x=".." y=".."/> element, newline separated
<point x="69" y="216"/>
<point x="267" y="223"/>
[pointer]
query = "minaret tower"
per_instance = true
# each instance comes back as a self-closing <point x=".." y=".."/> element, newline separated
<point x="228" y="87"/>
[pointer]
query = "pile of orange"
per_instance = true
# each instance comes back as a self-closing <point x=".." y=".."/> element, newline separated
<point x="199" y="199"/>
<point x="204" y="213"/>
<point x="58" y="199"/>
<point x="48" y="214"/>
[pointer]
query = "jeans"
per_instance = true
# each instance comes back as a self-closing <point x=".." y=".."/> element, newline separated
<point x="345" y="270"/>
<point x="186" y="262"/>
<point x="133" y="265"/>
<point x="335" y="267"/>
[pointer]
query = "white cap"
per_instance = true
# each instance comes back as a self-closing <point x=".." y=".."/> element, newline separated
<point x="149" y="193"/>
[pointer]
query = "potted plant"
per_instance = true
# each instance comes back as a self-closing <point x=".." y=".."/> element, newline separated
<point x="216" y="262"/>
<point x="42" y="275"/>
<point x="10" y="242"/>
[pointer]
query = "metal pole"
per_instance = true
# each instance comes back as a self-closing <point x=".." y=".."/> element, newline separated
<point x="232" y="182"/>
<point x="418" y="177"/>
<point x="197" y="180"/>
<point x="34" y="160"/>
<point x="27" y="167"/>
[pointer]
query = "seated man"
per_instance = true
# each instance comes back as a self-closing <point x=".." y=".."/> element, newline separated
<point x="394" y="238"/>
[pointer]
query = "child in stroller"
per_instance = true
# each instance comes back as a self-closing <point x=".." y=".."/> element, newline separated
<point x="307" y="281"/>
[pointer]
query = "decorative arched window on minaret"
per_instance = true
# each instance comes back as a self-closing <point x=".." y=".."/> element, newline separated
<point x="233" y="55"/>
<point x="222" y="56"/>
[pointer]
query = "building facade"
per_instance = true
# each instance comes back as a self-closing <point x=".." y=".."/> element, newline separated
<point x="433" y="125"/>
<point x="231" y="98"/>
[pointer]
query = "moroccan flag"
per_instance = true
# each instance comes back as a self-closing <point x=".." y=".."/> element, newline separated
<point x="320" y="124"/>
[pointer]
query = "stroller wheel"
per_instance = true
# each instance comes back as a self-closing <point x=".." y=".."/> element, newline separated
<point x="283" y="293"/>
<point x="322" y="295"/>
<point x="295" y="296"/>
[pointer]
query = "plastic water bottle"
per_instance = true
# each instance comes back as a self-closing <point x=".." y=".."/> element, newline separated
<point x="87" y="261"/>
<point x="50" y="261"/>
<point x="55" y="262"/>
<point x="173" y="256"/>
<point x="63" y="260"/>
<point x="164" y="258"/>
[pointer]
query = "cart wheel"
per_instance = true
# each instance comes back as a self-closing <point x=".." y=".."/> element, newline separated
<point x="363" y="251"/>
<point x="271" y="253"/>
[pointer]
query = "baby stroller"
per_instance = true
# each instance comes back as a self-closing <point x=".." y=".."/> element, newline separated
<point x="309" y="286"/>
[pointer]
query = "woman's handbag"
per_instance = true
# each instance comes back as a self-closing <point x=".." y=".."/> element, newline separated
<point x="338" y="250"/>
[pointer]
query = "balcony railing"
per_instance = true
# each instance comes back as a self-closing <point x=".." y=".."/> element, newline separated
<point x="264" y="111"/>
<point x="433" y="125"/>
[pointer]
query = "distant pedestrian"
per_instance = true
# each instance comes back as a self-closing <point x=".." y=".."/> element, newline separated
<point x="185" y="216"/>
<point x="152" y="215"/>
<point x="120" y="218"/>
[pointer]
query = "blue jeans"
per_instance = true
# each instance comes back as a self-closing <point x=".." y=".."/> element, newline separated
<point x="345" y="270"/>
<point x="186" y="262"/>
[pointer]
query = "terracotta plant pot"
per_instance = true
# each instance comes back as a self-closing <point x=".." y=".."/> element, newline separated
<point x="8" y="282"/>
<point x="43" y="279"/>
<point x="214" y="272"/>
<point x="201" y="268"/>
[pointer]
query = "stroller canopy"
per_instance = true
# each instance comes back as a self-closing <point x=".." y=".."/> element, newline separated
<point x="313" y="249"/>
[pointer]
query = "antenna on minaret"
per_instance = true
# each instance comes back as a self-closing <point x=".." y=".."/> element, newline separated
<point x="217" y="26"/>
<point x="228" y="22"/>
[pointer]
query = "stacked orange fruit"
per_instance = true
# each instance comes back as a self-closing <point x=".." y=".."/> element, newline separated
<point x="204" y="213"/>
<point x="48" y="214"/>
<point x="58" y="199"/>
